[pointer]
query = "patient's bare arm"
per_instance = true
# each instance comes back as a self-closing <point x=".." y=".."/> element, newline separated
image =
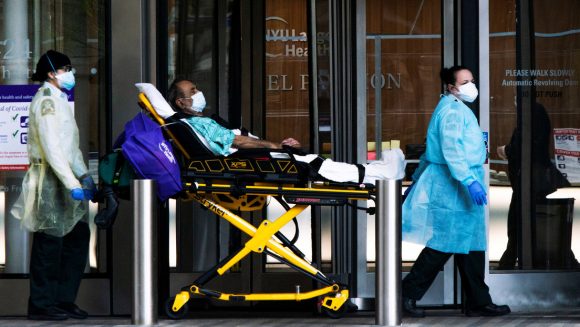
<point x="245" y="142"/>
<point x="291" y="142"/>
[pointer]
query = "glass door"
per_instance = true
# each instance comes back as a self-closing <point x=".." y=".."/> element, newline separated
<point x="201" y="49"/>
<point x="404" y="57"/>
<point x="213" y="43"/>
<point x="287" y="114"/>
<point x="535" y="119"/>
<point x="27" y="31"/>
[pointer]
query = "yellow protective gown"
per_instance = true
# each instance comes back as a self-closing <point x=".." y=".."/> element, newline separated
<point x="56" y="164"/>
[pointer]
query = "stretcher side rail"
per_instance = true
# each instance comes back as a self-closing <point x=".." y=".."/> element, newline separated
<point x="285" y="191"/>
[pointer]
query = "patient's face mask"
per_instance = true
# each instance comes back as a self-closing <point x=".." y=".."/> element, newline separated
<point x="198" y="102"/>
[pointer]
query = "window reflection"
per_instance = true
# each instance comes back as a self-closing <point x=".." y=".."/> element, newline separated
<point x="286" y="70"/>
<point x="29" y="29"/>
<point x="553" y="104"/>
<point x="403" y="64"/>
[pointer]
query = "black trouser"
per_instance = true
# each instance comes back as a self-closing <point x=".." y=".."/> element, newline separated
<point x="509" y="256"/>
<point x="56" y="267"/>
<point x="429" y="263"/>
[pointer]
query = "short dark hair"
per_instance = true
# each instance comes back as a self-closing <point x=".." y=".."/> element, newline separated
<point x="449" y="75"/>
<point x="175" y="93"/>
<point x="49" y="62"/>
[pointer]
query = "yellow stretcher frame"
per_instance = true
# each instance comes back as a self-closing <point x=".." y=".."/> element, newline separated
<point x="265" y="237"/>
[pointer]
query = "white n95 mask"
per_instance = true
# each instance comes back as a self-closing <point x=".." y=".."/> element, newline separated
<point x="467" y="92"/>
<point x="198" y="102"/>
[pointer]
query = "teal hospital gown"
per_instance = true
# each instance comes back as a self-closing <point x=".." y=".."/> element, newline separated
<point x="220" y="139"/>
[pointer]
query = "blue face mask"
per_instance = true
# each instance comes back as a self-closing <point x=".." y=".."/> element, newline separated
<point x="66" y="80"/>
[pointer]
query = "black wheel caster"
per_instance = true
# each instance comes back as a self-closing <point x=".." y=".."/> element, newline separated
<point x="179" y="314"/>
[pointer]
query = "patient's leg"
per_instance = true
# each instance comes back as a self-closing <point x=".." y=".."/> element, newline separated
<point x="332" y="170"/>
<point x="392" y="166"/>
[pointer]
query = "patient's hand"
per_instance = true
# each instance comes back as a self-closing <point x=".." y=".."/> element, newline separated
<point x="291" y="142"/>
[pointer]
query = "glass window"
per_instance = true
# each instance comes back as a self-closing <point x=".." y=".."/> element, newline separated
<point x="27" y="30"/>
<point x="557" y="92"/>
<point x="503" y="119"/>
<point x="287" y="97"/>
<point x="192" y="46"/>
<point x="403" y="64"/>
<point x="287" y="100"/>
<point x="553" y="102"/>
<point x="192" y="52"/>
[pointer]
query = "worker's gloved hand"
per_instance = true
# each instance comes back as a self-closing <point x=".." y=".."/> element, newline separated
<point x="477" y="193"/>
<point x="89" y="187"/>
<point x="77" y="194"/>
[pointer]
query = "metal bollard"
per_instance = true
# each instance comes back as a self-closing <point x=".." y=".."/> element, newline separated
<point x="145" y="253"/>
<point x="388" y="253"/>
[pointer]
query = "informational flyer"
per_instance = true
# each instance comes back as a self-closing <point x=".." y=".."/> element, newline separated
<point x="567" y="152"/>
<point x="14" y="103"/>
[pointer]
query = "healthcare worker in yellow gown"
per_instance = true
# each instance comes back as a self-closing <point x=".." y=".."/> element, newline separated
<point x="54" y="194"/>
<point x="444" y="209"/>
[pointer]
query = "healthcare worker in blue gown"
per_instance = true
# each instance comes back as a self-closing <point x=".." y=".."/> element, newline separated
<point x="444" y="209"/>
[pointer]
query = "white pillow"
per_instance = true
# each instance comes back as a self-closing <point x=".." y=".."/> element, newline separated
<point x="157" y="101"/>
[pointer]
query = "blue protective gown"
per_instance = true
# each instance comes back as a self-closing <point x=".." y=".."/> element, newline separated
<point x="438" y="211"/>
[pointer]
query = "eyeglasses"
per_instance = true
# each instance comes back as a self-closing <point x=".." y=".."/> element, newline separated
<point x="68" y="68"/>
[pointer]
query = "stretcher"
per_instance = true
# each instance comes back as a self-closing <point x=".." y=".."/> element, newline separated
<point x="242" y="182"/>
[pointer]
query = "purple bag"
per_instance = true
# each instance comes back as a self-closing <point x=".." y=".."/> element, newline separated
<point x="151" y="155"/>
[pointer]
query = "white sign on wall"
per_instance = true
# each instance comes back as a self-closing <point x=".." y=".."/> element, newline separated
<point x="14" y="103"/>
<point x="567" y="152"/>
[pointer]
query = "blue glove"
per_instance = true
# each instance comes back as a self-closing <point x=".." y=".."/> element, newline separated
<point x="77" y="194"/>
<point x="89" y="187"/>
<point x="477" y="193"/>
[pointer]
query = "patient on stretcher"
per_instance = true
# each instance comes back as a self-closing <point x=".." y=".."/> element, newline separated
<point x="225" y="141"/>
<point x="188" y="103"/>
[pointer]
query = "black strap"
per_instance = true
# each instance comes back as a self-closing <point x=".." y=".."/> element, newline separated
<point x="316" y="163"/>
<point x="118" y="164"/>
<point x="361" y="173"/>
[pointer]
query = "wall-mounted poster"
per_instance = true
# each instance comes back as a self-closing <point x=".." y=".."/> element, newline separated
<point x="14" y="103"/>
<point x="567" y="152"/>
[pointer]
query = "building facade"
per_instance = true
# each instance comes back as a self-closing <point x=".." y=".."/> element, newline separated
<point x="343" y="77"/>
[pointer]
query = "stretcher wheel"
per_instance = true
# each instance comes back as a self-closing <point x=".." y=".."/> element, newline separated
<point x="334" y="314"/>
<point x="175" y="314"/>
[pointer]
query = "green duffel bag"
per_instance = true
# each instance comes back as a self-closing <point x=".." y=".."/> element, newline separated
<point x="116" y="172"/>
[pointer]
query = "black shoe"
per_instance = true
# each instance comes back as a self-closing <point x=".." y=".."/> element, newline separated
<point x="72" y="310"/>
<point x="410" y="308"/>
<point x="47" y="314"/>
<point x="505" y="267"/>
<point x="489" y="310"/>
